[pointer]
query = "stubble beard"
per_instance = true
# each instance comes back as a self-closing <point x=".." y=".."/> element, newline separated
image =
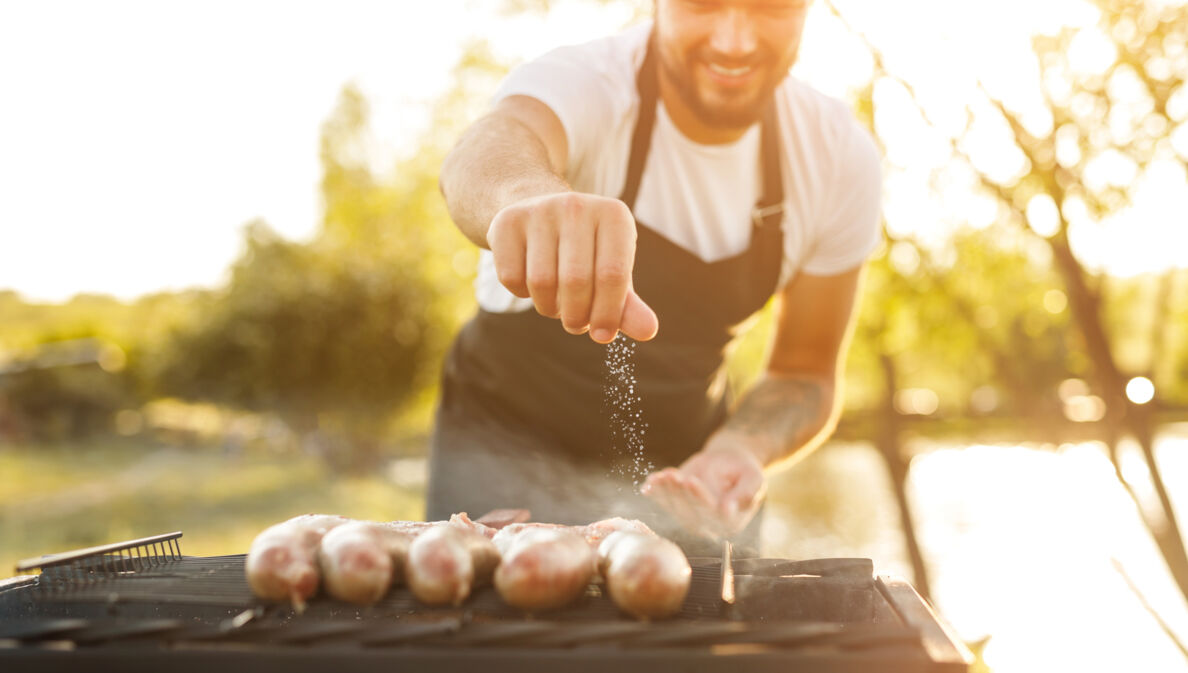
<point x="734" y="114"/>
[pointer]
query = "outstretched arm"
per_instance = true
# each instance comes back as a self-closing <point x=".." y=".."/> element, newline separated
<point x="517" y="151"/>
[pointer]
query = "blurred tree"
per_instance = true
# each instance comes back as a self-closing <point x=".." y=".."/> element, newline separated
<point x="336" y="334"/>
<point x="330" y="342"/>
<point x="63" y="389"/>
<point x="1102" y="135"/>
<point x="339" y="334"/>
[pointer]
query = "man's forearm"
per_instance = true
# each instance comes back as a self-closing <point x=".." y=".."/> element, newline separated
<point x="497" y="162"/>
<point x="780" y="415"/>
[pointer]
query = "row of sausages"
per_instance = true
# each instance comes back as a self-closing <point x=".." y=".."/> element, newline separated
<point x="534" y="566"/>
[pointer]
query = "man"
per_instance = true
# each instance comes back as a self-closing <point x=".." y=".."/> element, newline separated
<point x="663" y="183"/>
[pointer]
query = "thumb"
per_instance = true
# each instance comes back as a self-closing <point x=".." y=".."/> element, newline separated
<point x="639" y="321"/>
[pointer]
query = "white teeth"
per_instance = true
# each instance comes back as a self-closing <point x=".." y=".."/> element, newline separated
<point x="730" y="72"/>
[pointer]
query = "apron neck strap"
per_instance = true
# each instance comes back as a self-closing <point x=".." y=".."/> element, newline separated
<point x="769" y="210"/>
<point x="648" y="86"/>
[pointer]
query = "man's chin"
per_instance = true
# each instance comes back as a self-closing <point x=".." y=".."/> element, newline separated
<point x="728" y="116"/>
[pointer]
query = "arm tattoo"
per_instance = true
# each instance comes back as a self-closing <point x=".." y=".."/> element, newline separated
<point x="783" y="413"/>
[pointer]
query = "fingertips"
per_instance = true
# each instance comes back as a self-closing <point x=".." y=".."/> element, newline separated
<point x="639" y="321"/>
<point x="603" y="335"/>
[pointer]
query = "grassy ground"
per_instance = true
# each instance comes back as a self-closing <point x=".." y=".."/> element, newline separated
<point x="60" y="498"/>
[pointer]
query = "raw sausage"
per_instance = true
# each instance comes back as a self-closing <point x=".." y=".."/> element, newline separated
<point x="447" y="561"/>
<point x="543" y="567"/>
<point x="282" y="561"/>
<point x="483" y="552"/>
<point x="647" y="576"/>
<point x="359" y="560"/>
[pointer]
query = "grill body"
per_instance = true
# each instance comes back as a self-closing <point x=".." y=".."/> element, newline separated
<point x="195" y="613"/>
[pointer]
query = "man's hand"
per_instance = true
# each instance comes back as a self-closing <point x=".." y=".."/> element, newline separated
<point x="716" y="492"/>
<point x="573" y="254"/>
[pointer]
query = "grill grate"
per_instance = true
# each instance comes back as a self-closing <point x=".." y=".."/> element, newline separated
<point x="834" y="590"/>
<point x="107" y="561"/>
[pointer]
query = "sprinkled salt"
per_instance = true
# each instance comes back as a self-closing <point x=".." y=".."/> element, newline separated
<point x="627" y="427"/>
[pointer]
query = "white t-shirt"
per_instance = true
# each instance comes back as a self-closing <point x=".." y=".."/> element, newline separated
<point x="701" y="196"/>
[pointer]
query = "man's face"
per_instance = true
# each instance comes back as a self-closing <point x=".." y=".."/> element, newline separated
<point x="725" y="57"/>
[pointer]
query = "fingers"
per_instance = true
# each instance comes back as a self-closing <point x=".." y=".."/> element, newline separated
<point x="715" y="492"/>
<point x="575" y="258"/>
<point x="614" y="259"/>
<point x="686" y="499"/>
<point x="639" y="320"/>
<point x="508" y="242"/>
<point x="541" y="270"/>
<point x="573" y="255"/>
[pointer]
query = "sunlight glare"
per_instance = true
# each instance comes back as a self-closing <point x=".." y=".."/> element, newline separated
<point x="1042" y="215"/>
<point x="1140" y="390"/>
<point x="1065" y="518"/>
<point x="1091" y="52"/>
<point x="1055" y="301"/>
<point x="916" y="401"/>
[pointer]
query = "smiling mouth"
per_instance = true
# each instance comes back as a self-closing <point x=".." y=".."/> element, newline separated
<point x="722" y="70"/>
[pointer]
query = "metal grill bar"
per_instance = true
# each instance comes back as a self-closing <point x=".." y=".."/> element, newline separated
<point x="110" y="559"/>
<point x="453" y="634"/>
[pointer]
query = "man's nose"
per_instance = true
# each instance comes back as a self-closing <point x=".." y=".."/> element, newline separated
<point x="734" y="33"/>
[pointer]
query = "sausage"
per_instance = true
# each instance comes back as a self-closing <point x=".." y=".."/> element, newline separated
<point x="360" y="559"/>
<point x="647" y="576"/>
<point x="483" y="552"/>
<point x="446" y="562"/>
<point x="543" y="567"/>
<point x="282" y="561"/>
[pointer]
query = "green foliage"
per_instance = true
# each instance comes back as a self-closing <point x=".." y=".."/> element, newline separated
<point x="62" y="403"/>
<point x="65" y="370"/>
<point x="339" y="333"/>
<point x="303" y="330"/>
<point x="977" y="318"/>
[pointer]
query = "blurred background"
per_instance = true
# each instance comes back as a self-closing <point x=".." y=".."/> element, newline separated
<point x="227" y="280"/>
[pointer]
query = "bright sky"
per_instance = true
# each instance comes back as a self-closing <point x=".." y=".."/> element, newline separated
<point x="136" y="138"/>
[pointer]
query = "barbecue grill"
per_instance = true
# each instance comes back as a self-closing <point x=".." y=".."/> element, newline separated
<point x="142" y="605"/>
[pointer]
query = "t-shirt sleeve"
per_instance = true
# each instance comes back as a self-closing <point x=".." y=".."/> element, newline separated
<point x="852" y="211"/>
<point x="570" y="82"/>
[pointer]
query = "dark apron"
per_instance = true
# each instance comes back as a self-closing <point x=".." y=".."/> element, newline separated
<point x="523" y="419"/>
